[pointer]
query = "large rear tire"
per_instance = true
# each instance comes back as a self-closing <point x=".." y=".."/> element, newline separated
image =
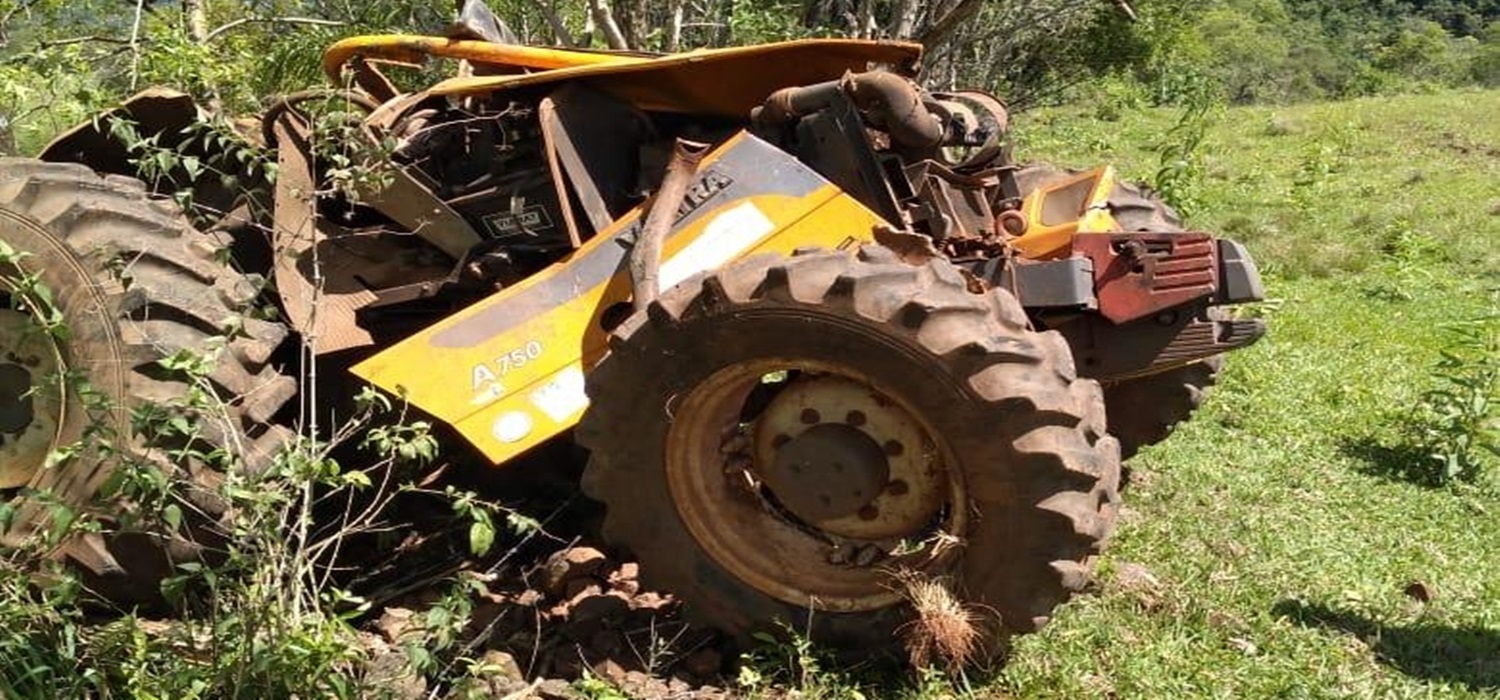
<point x="1142" y="411"/>
<point x="985" y="454"/>
<point x="125" y="282"/>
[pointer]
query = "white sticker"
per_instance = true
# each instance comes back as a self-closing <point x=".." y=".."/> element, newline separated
<point x="510" y="427"/>
<point x="563" y="396"/>
<point x="726" y="237"/>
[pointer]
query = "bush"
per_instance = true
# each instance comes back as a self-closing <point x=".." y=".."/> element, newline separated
<point x="1458" y="420"/>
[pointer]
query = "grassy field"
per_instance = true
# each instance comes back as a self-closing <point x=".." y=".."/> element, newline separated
<point x="1267" y="548"/>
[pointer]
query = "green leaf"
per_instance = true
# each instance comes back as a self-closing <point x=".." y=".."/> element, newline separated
<point x="172" y="514"/>
<point x="481" y="535"/>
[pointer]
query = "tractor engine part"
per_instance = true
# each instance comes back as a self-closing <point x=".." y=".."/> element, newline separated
<point x="487" y="164"/>
<point x="894" y="104"/>
<point x="645" y="255"/>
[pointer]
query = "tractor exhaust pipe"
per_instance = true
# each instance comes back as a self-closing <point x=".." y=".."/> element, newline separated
<point x="895" y="101"/>
<point x="645" y="255"/>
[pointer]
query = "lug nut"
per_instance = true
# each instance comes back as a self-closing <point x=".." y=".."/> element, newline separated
<point x="894" y="448"/>
<point x="855" y="418"/>
<point x="811" y="416"/>
<point x="897" y="488"/>
<point x="869" y="513"/>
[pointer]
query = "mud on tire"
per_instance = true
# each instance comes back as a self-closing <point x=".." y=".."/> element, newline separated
<point x="134" y="283"/>
<point x="1021" y="440"/>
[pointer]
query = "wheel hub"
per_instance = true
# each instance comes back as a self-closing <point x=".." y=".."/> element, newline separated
<point x="15" y="398"/>
<point x="31" y="403"/>
<point x="867" y="468"/>
<point x="777" y="446"/>
<point x="828" y="472"/>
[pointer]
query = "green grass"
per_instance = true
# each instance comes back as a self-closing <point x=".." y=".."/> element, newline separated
<point x="1278" y="533"/>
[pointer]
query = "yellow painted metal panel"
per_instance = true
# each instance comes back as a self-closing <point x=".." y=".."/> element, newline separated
<point x="405" y="48"/>
<point x="728" y="82"/>
<point x="1055" y="213"/>
<point x="509" y="389"/>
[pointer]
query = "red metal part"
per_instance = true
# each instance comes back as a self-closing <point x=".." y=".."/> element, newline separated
<point x="1139" y="274"/>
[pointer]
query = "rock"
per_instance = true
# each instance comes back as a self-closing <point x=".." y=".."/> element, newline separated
<point x="629" y="571"/>
<point x="394" y="623"/>
<point x="580" y="587"/>
<point x="1136" y="578"/>
<point x="555" y="689"/>
<point x="1419" y="591"/>
<point x="389" y="669"/>
<point x="590" y="607"/>
<point x="1243" y="646"/>
<point x="650" y="601"/>
<point x="709" y="692"/>
<point x="529" y="598"/>
<point x="568" y="565"/>
<point x="641" y="685"/>
<point x="503" y="665"/>
<point x="704" y="663"/>
<point x="610" y="670"/>
<point x="486" y="617"/>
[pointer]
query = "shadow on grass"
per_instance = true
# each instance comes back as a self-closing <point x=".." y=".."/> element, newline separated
<point x="1405" y="462"/>
<point x="1465" y="655"/>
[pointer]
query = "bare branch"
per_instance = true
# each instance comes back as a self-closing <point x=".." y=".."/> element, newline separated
<point x="220" y="31"/>
<point x="944" y="27"/>
<point x="197" y="20"/>
<point x="92" y="38"/>
<point x="601" y="14"/>
<point x="135" y="43"/>
<point x="559" y="29"/>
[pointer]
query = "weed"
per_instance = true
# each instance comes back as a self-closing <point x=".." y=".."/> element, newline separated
<point x="1180" y="154"/>
<point x="789" y="661"/>
<point x="1458" y="421"/>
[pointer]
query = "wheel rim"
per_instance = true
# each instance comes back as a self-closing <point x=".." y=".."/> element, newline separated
<point x="813" y="489"/>
<point x="31" y="397"/>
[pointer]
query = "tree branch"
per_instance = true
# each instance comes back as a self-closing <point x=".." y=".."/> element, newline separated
<point x="135" y="45"/>
<point x="944" y="27"/>
<point x="220" y="31"/>
<point x="559" y="29"/>
<point x="601" y="14"/>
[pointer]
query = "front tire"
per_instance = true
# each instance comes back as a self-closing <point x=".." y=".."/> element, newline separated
<point x="129" y="284"/>
<point x="1013" y="491"/>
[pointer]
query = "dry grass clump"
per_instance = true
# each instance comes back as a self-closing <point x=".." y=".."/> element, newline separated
<point x="945" y="631"/>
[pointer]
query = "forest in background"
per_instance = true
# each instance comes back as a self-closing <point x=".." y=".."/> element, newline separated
<point x="61" y="60"/>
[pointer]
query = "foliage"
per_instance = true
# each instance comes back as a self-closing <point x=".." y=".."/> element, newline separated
<point x="1458" y="420"/>
<point x="1179" y="176"/>
<point x="264" y="615"/>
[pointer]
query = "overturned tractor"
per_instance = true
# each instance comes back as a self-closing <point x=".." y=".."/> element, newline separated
<point x="819" y="333"/>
